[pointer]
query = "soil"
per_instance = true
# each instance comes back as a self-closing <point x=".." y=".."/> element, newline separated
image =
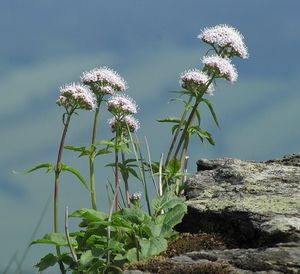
<point x="186" y="242"/>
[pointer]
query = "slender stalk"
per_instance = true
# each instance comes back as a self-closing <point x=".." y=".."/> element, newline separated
<point x="187" y="125"/>
<point x="126" y="180"/>
<point x="192" y="116"/>
<point x="117" y="169"/>
<point x="68" y="236"/>
<point x="92" y="158"/>
<point x="177" y="131"/>
<point x="56" y="182"/>
<point x="151" y="170"/>
<point x="144" y="176"/>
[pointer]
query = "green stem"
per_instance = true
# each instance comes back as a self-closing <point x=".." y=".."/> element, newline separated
<point x="56" y="183"/>
<point x="92" y="159"/>
<point x="192" y="116"/>
<point x="187" y="125"/>
<point x="177" y="131"/>
<point x="117" y="185"/>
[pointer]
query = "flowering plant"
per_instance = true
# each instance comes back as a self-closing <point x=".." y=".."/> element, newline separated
<point x="126" y="233"/>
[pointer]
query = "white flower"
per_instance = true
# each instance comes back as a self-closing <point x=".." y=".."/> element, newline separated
<point x="133" y="123"/>
<point x="76" y="96"/>
<point x="222" y="67"/>
<point x="227" y="38"/>
<point x="121" y="105"/>
<point x="136" y="196"/>
<point x="194" y="79"/>
<point x="104" y="80"/>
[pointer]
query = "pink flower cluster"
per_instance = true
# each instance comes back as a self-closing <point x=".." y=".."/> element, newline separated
<point x="121" y="105"/>
<point x="76" y="96"/>
<point x="230" y="40"/>
<point x="221" y="67"/>
<point x="195" y="80"/>
<point x="104" y="80"/>
<point x="132" y="123"/>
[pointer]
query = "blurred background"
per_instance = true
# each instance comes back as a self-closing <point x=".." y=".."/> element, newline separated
<point x="45" y="44"/>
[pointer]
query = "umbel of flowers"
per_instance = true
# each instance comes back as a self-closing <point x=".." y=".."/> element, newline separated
<point x="122" y="123"/>
<point x="226" y="43"/>
<point x="102" y="81"/>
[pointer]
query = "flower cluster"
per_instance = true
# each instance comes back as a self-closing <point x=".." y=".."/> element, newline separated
<point x="195" y="80"/>
<point x="121" y="105"/>
<point x="132" y="123"/>
<point x="221" y="67"/>
<point x="230" y="40"/>
<point x="136" y="196"/>
<point x="76" y="96"/>
<point x="104" y="80"/>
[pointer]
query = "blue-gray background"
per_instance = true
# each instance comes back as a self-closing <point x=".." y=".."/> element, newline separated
<point x="45" y="44"/>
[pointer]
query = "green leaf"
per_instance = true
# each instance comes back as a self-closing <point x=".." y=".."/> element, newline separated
<point x="48" y="166"/>
<point x="131" y="255"/>
<point x="174" y="128"/>
<point x="133" y="172"/>
<point x="57" y="239"/>
<point x="86" y="257"/>
<point x="174" y="166"/>
<point x="207" y="102"/>
<point x="198" y="117"/>
<point x="47" y="261"/>
<point x="89" y="214"/>
<point x="75" y="172"/>
<point x="169" y="120"/>
<point x="166" y="202"/>
<point x="153" y="246"/>
<point x="103" y="151"/>
<point x="172" y="218"/>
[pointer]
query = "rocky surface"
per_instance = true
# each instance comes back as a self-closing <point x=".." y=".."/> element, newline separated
<point x="254" y="207"/>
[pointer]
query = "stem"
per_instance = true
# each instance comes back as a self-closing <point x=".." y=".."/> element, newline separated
<point x="56" y="181"/>
<point x="187" y="125"/>
<point x="126" y="180"/>
<point x="92" y="159"/>
<point x="68" y="236"/>
<point x="177" y="132"/>
<point x="192" y="116"/>
<point x="117" y="171"/>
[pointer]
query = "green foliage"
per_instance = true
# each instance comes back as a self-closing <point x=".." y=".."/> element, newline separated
<point x="56" y="239"/>
<point x="75" y="172"/>
<point x="134" y="235"/>
<point x="49" y="167"/>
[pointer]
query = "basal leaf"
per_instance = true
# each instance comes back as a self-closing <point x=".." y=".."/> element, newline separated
<point x="153" y="246"/>
<point x="58" y="239"/>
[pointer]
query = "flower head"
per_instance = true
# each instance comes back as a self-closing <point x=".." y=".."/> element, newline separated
<point x="136" y="196"/>
<point x="194" y="79"/>
<point x="76" y="96"/>
<point x="227" y="38"/>
<point x="121" y="105"/>
<point x="133" y="123"/>
<point x="222" y="67"/>
<point x="104" y="80"/>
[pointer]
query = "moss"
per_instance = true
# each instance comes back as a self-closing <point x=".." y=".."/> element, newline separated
<point x="255" y="204"/>
<point x="194" y="242"/>
<point x="160" y="265"/>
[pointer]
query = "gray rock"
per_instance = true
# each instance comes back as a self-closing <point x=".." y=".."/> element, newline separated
<point x="256" y="209"/>
<point x="278" y="259"/>
<point x="256" y="204"/>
